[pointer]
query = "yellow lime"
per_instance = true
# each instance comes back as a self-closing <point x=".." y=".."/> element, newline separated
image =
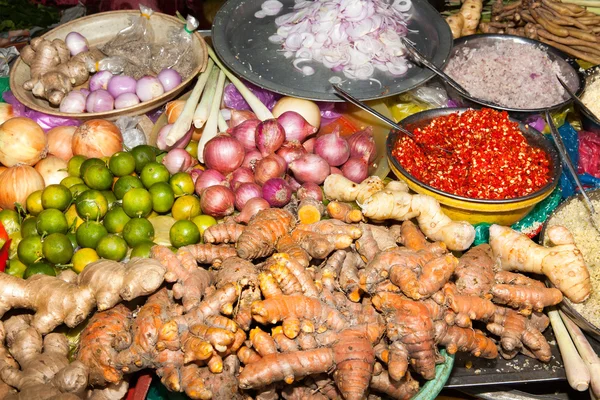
<point x="15" y="267"/>
<point x="98" y="177"/>
<point x="143" y="154"/>
<point x="91" y="205"/>
<point x="78" y="188"/>
<point x="10" y="220"/>
<point x="112" y="247"/>
<point x="182" y="183"/>
<point x="138" y="230"/>
<point x="74" y="165"/>
<point x="115" y="219"/>
<point x="71" y="181"/>
<point x="43" y="268"/>
<point x="186" y="207"/>
<point x="33" y="204"/>
<point x="29" y="227"/>
<point x="137" y="203"/>
<point x="142" y="249"/>
<point x="15" y="239"/>
<point x="162" y="197"/>
<point x="83" y="257"/>
<point x="204" y="221"/>
<point x="89" y="234"/>
<point x="56" y="196"/>
<point x="154" y="172"/>
<point x="30" y="250"/>
<point x="51" y="221"/>
<point x="125" y="184"/>
<point x="184" y="233"/>
<point x="72" y="218"/>
<point x="192" y="148"/>
<point x="57" y="248"/>
<point x="121" y="163"/>
<point x="162" y="224"/>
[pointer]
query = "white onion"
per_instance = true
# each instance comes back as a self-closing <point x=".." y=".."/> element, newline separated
<point x="169" y="78"/>
<point x="148" y="88"/>
<point x="125" y="100"/>
<point x="52" y="169"/>
<point x="120" y="84"/>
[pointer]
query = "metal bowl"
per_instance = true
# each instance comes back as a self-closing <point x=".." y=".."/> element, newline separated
<point x="587" y="123"/>
<point x="503" y="212"/>
<point x="568" y="65"/>
<point x="566" y="306"/>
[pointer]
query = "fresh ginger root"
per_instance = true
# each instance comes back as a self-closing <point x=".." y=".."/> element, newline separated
<point x="101" y="285"/>
<point x="260" y="237"/>
<point x="562" y="263"/>
<point x="337" y="187"/>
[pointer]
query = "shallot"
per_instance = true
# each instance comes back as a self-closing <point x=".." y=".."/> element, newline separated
<point x="73" y="102"/>
<point x="310" y="168"/>
<point x="209" y="178"/>
<point x="164" y="132"/>
<point x="272" y="166"/>
<point x="245" y="192"/>
<point x="217" y="201"/>
<point x="295" y="126"/>
<point x="169" y="78"/>
<point x="362" y="145"/>
<point x="251" y="208"/>
<point x="99" y="101"/>
<point x="76" y="43"/>
<point x="100" y="80"/>
<point x="336" y="170"/>
<point x="251" y="158"/>
<point x="355" y="169"/>
<point x="178" y="160"/>
<point x="239" y="116"/>
<point x="309" y="145"/>
<point x="125" y="100"/>
<point x="223" y="153"/>
<point x="309" y="110"/>
<point x="294" y="184"/>
<point x="277" y="192"/>
<point x="195" y="173"/>
<point x="120" y="84"/>
<point x="291" y="151"/>
<point x="332" y="148"/>
<point x="310" y="190"/>
<point x="269" y="136"/>
<point x="148" y="88"/>
<point x="245" y="132"/>
<point x="241" y="175"/>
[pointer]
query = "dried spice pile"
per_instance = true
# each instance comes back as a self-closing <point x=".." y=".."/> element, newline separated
<point x="490" y="158"/>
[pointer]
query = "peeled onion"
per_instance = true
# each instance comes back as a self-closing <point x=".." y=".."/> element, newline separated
<point x="169" y="79"/>
<point x="100" y="80"/>
<point x="99" y="101"/>
<point x="17" y="183"/>
<point x="125" y="100"/>
<point x="76" y="43"/>
<point x="97" y="138"/>
<point x="120" y="84"/>
<point x="22" y="141"/>
<point x="310" y="168"/>
<point x="60" y="140"/>
<point x="308" y="109"/>
<point x="178" y="160"/>
<point x="52" y="169"/>
<point x="217" y="201"/>
<point x="148" y="88"/>
<point x="223" y="153"/>
<point x="73" y="102"/>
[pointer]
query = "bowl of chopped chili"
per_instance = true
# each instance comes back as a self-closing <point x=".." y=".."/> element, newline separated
<point x="495" y="169"/>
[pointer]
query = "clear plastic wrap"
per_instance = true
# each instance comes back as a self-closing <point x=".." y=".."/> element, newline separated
<point x="176" y="51"/>
<point x="115" y="65"/>
<point x="132" y="136"/>
<point x="425" y="97"/>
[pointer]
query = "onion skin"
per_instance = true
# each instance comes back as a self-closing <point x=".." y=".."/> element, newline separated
<point x="269" y="136"/>
<point x="239" y="116"/>
<point x="17" y="183"/>
<point x="97" y="138"/>
<point x="245" y="132"/>
<point x="333" y="149"/>
<point x="180" y="144"/>
<point x="251" y="158"/>
<point x="52" y="169"/>
<point x="59" y="141"/>
<point x="6" y="112"/>
<point x="173" y="110"/>
<point x="277" y="192"/>
<point x="22" y="141"/>
<point x="295" y="126"/>
<point x="252" y="207"/>
<point x="362" y="144"/>
<point x="245" y="192"/>
<point x="239" y="176"/>
<point x="272" y="166"/>
<point x="223" y="153"/>
<point x="310" y="168"/>
<point x="208" y="178"/>
<point x="217" y="201"/>
<point x="356" y="169"/>
<point x="291" y="151"/>
<point x="309" y="145"/>
<point x="310" y="190"/>
<point x="308" y="109"/>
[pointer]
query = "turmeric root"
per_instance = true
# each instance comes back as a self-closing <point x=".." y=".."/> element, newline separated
<point x="260" y="237"/>
<point x="310" y="211"/>
<point x="227" y="232"/>
<point x="562" y="263"/>
<point x="403" y="389"/>
<point x="344" y="212"/>
<point x="475" y="271"/>
<point x="455" y="338"/>
<point x="373" y="240"/>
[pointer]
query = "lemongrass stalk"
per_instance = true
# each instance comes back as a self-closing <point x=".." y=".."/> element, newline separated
<point x="221" y="123"/>
<point x="203" y="109"/>
<point x="184" y="121"/>
<point x="578" y="375"/>
<point x="595" y="10"/>
<point x="260" y="110"/>
<point x="586" y="351"/>
<point x="210" y="129"/>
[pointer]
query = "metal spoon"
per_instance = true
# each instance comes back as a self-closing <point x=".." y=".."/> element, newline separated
<point x="347" y="96"/>
<point x="578" y="101"/>
<point x="567" y="161"/>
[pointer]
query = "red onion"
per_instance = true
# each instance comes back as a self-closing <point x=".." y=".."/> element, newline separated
<point x="332" y="148"/>
<point x="309" y="145"/>
<point x="217" y="201"/>
<point x="148" y="88"/>
<point x="209" y="178"/>
<point x="356" y="169"/>
<point x="269" y="136"/>
<point x="178" y="160"/>
<point x="239" y="116"/>
<point x="125" y="100"/>
<point x="180" y="144"/>
<point x="252" y="207"/>
<point x="73" y="102"/>
<point x="169" y="79"/>
<point x="336" y="170"/>
<point x="272" y="166"/>
<point x="76" y="43"/>
<point x="251" y="158"/>
<point x="310" y="168"/>
<point x="239" y="176"/>
<point x="245" y="133"/>
<point x="195" y="174"/>
<point x="120" y="84"/>
<point x="310" y="190"/>
<point x="99" y="101"/>
<point x="294" y="184"/>
<point x="295" y="126"/>
<point x="84" y="92"/>
<point x="223" y="153"/>
<point x="100" y="80"/>
<point x="277" y="192"/>
<point x="362" y="144"/>
<point x="245" y="192"/>
<point x="291" y="150"/>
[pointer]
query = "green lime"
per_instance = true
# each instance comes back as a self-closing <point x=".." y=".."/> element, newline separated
<point x="125" y="184"/>
<point x="15" y="239"/>
<point x="110" y="198"/>
<point x="160" y="157"/>
<point x="82" y="258"/>
<point x="57" y="248"/>
<point x="138" y="230"/>
<point x="137" y="203"/>
<point x="71" y="181"/>
<point x="143" y="154"/>
<point x="112" y="247"/>
<point x="192" y="148"/>
<point x="56" y="196"/>
<point x="52" y="221"/>
<point x="182" y="183"/>
<point x="184" y="233"/>
<point x="115" y="219"/>
<point x="78" y="188"/>
<point x="15" y="267"/>
<point x="33" y="204"/>
<point x="204" y="221"/>
<point x="121" y="163"/>
<point x="30" y="250"/>
<point x="74" y="165"/>
<point x="88" y="163"/>
<point x="72" y="218"/>
<point x="154" y="172"/>
<point x="142" y="249"/>
<point x="98" y="177"/>
<point x="89" y="234"/>
<point x="43" y="268"/>
<point x="162" y="197"/>
<point x="91" y="205"/>
<point x="29" y="227"/>
<point x="10" y="221"/>
<point x="186" y="207"/>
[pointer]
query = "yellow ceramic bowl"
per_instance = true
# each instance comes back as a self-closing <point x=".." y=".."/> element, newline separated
<point x="503" y="212"/>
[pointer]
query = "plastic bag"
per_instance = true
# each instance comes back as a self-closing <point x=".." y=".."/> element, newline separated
<point x="571" y="139"/>
<point x="115" y="65"/>
<point x="425" y="97"/>
<point x="589" y="153"/>
<point x="132" y="136"/>
<point x="176" y="52"/>
<point x="45" y="121"/>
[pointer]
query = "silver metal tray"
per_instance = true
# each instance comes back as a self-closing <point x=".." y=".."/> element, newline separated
<point x="241" y="42"/>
